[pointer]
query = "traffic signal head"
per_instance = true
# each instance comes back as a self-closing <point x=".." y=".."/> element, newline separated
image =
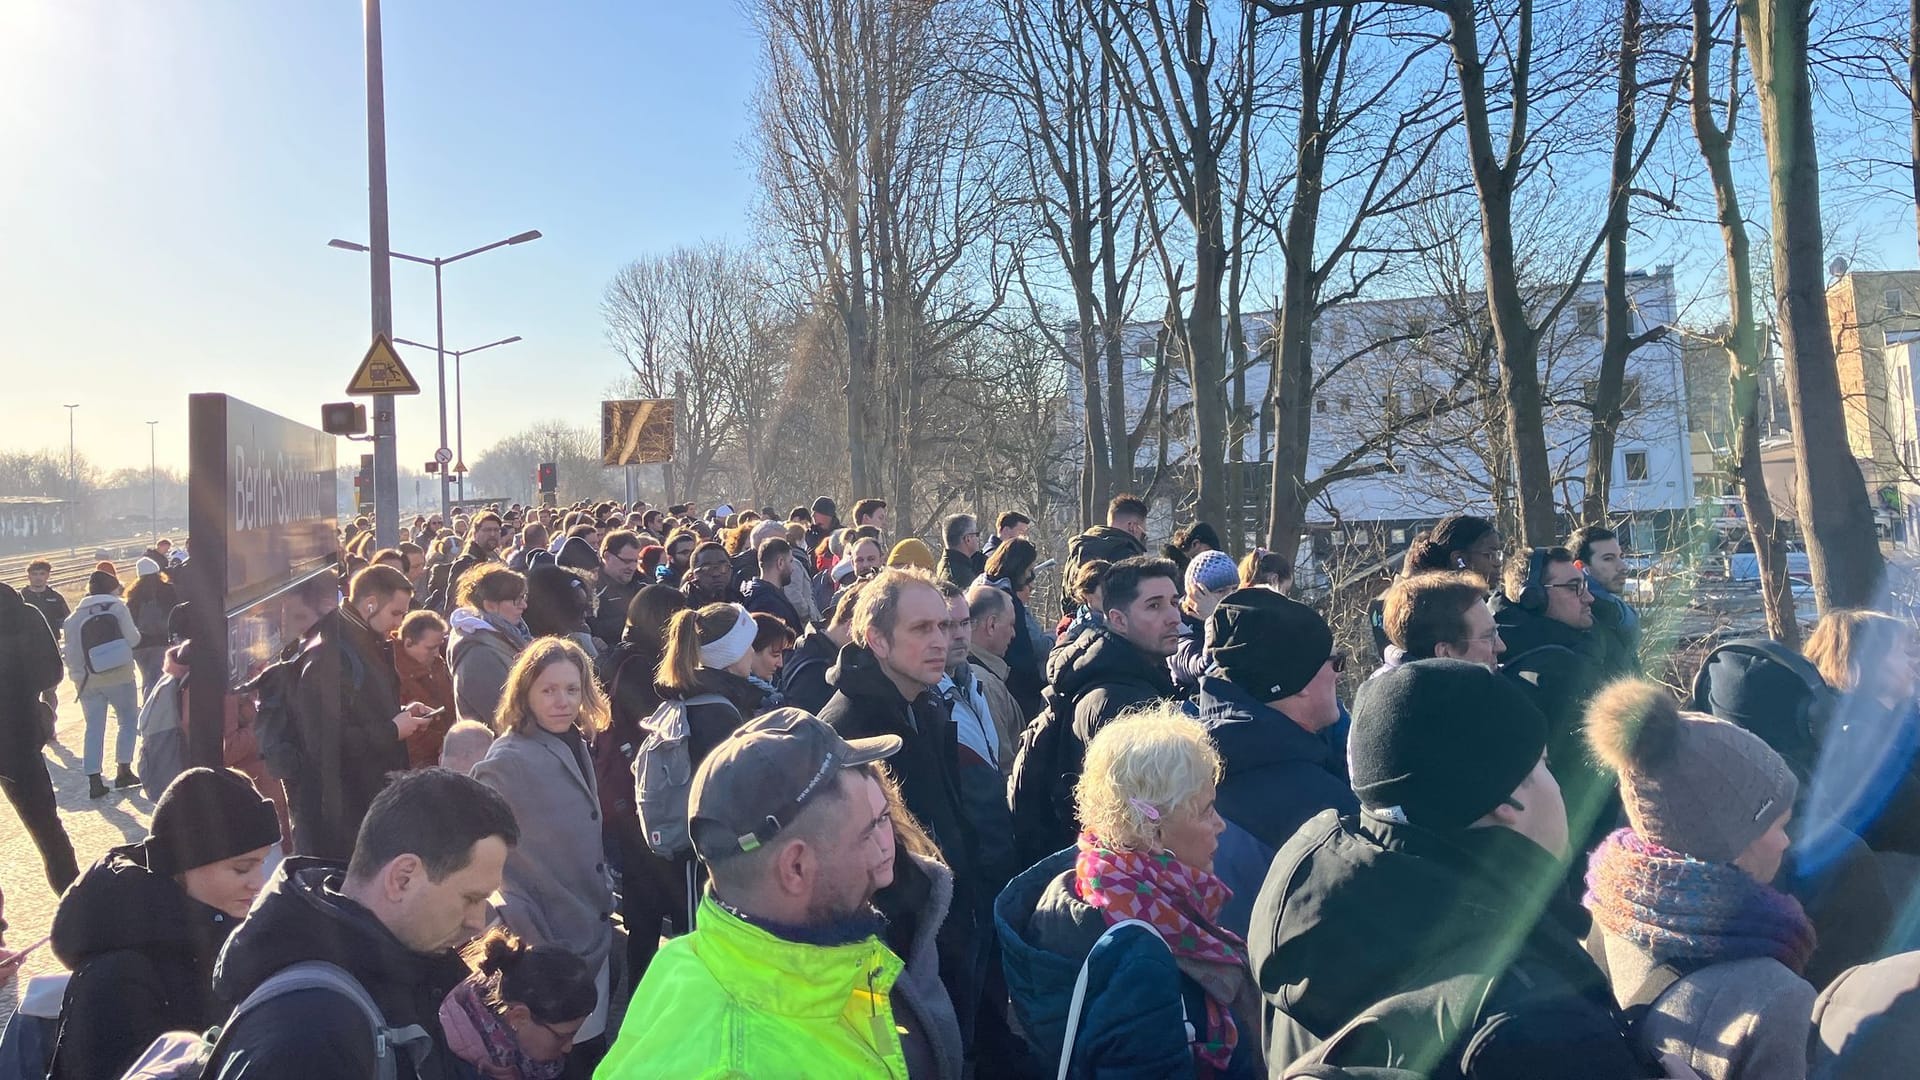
<point x="549" y="476"/>
<point x="343" y="418"/>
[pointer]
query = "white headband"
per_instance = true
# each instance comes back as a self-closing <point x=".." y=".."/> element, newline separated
<point x="733" y="644"/>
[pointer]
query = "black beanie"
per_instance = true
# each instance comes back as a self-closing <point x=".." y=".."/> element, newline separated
<point x="101" y="583"/>
<point x="1442" y="742"/>
<point x="1266" y="644"/>
<point x="207" y="815"/>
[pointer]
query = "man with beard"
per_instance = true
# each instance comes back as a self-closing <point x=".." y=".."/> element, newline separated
<point x="796" y="834"/>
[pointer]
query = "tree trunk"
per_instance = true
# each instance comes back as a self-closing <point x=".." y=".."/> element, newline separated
<point x="1913" y="98"/>
<point x="1290" y="386"/>
<point x="1516" y="340"/>
<point x="1206" y="362"/>
<point x="1836" y="519"/>
<point x="1618" y="329"/>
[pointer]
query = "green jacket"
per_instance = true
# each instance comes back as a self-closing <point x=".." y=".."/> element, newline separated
<point x="732" y="1000"/>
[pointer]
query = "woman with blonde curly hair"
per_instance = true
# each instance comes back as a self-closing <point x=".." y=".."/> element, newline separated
<point x="555" y="889"/>
<point x="1131" y="914"/>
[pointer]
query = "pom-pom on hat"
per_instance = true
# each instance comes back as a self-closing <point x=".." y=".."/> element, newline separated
<point x="1692" y="784"/>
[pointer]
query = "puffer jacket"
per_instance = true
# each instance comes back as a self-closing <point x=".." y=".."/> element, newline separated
<point x="733" y="999"/>
<point x="1138" y="1001"/>
<point x="481" y="652"/>
<point x="142" y="954"/>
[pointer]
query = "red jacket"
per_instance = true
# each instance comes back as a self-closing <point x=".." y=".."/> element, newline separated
<point x="431" y="684"/>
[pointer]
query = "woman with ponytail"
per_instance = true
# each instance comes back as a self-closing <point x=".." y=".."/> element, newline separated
<point x="709" y="654"/>
<point x="516" y="1016"/>
<point x="1456" y="542"/>
<point x="1683" y="898"/>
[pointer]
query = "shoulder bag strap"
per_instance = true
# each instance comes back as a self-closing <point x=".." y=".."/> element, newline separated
<point x="321" y="975"/>
<point x="1080" y="991"/>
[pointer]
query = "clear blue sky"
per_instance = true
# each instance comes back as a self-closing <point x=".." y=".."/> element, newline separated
<point x="174" y="171"/>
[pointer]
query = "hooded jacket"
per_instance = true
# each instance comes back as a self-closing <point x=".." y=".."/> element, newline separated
<point x="318" y="1034"/>
<point x="344" y="707"/>
<point x="1276" y="777"/>
<point x="1357" y="910"/>
<point x="709" y="722"/>
<point x="142" y="954"/>
<point x="29" y="665"/>
<point x="732" y="999"/>
<point x="76" y="653"/>
<point x="866" y="703"/>
<point x="1138" y="1001"/>
<point x="763" y="596"/>
<point x="803" y="680"/>
<point x="481" y="652"/>
<point x="1099" y="542"/>
<point x="1103" y="675"/>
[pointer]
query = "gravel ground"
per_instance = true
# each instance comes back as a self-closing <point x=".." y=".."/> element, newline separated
<point x="94" y="826"/>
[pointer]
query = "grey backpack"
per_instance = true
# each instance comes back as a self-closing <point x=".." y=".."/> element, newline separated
<point x="663" y="774"/>
<point x="185" y="1055"/>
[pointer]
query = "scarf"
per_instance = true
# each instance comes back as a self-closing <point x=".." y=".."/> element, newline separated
<point x="486" y="1033"/>
<point x="1692" y="912"/>
<point x="1183" y="904"/>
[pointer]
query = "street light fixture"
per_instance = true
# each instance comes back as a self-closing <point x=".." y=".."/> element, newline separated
<point x="439" y="318"/>
<point x="73" y="488"/>
<point x="459" y="410"/>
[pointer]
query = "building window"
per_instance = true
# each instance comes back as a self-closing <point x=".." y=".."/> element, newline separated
<point x="1893" y="302"/>
<point x="1346" y="403"/>
<point x="1148" y="362"/>
<point x="1320" y="405"/>
<point x="1636" y="466"/>
<point x="1586" y="320"/>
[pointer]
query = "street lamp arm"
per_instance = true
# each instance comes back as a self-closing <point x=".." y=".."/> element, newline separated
<point x="415" y="344"/>
<point x="531" y="234"/>
<point x="488" y="345"/>
<point x="348" y="245"/>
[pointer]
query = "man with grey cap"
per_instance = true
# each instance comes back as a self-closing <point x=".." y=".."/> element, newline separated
<point x="1435" y="911"/>
<point x="794" y="829"/>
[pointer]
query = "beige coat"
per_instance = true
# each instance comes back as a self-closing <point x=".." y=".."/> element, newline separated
<point x="992" y="672"/>
<point x="1741" y="1020"/>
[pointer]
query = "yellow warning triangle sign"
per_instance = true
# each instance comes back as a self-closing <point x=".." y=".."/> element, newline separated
<point x="381" y="372"/>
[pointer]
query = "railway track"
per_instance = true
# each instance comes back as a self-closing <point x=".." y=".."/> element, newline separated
<point x="70" y="572"/>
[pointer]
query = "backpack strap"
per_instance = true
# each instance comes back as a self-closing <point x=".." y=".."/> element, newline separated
<point x="1080" y="992"/>
<point x="321" y="975"/>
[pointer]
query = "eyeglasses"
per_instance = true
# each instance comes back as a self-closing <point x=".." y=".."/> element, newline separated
<point x="1578" y="585"/>
<point x="565" y="1038"/>
<point x="635" y="561"/>
<point x="711" y="565"/>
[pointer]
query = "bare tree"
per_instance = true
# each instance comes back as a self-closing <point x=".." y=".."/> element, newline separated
<point x="1836" y="519"/>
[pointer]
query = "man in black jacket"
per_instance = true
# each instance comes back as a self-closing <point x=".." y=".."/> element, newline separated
<point x="347" y="710"/>
<point x="1545" y="618"/>
<point x="30" y="666"/>
<point x="616" y="582"/>
<point x="1092" y="680"/>
<point x="1122" y="537"/>
<point x="767" y="590"/>
<point x="884" y="685"/>
<point x="803" y="678"/>
<point x="1436" y="910"/>
<point x="429" y="854"/>
<point x="962" y="561"/>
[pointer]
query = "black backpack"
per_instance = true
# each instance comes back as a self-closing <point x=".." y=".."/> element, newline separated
<point x="1045" y="770"/>
<point x="275" y="726"/>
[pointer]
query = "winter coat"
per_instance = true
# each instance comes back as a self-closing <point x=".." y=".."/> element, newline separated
<point x="962" y="569"/>
<point x="1559" y="667"/>
<point x="76" y="654"/>
<point x="1103" y="675"/>
<point x="29" y="665"/>
<point x="803" y="681"/>
<point x="1189" y="660"/>
<point x="611" y="598"/>
<point x="430" y="684"/>
<point x="991" y="671"/>
<point x="866" y="703"/>
<point x="1357" y="910"/>
<point x="1138" y="1001"/>
<point x="142" y="955"/>
<point x="1099" y="542"/>
<point x="555" y="889"/>
<point x="150" y="601"/>
<point x="344" y="709"/>
<point x="50" y="603"/>
<point x="1739" y="1020"/>
<point x="1276" y="777"/>
<point x="731" y="999"/>
<point x="481" y="652"/>
<point x="320" y="1034"/>
<point x="761" y="595"/>
<point x="1616" y="632"/>
<point x="709" y="722"/>
<point x="1867" y="1024"/>
<point x="916" y="905"/>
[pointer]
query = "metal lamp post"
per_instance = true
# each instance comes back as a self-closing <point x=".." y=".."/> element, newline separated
<point x="153" y="479"/>
<point x="73" y="488"/>
<point x="459" y="418"/>
<point x="439" y="316"/>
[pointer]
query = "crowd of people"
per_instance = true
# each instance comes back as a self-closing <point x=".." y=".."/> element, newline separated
<point x="626" y="791"/>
